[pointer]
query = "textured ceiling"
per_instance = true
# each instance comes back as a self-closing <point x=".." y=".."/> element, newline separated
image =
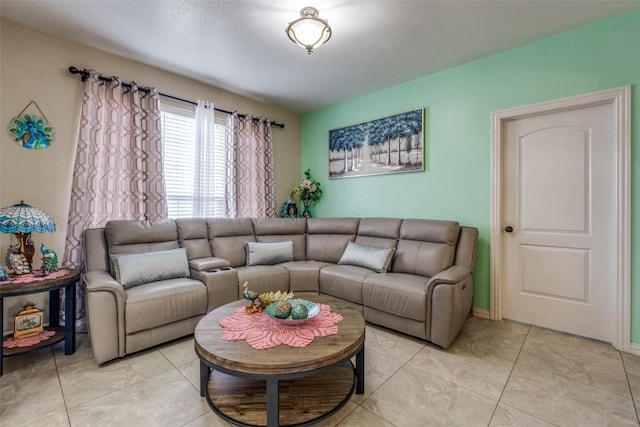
<point x="242" y="46"/>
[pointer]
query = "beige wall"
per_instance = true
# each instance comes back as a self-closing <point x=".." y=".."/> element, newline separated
<point x="33" y="66"/>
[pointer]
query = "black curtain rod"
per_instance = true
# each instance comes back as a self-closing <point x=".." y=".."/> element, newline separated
<point x="85" y="75"/>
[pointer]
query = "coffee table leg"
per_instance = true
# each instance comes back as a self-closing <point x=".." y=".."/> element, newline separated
<point x="204" y="378"/>
<point x="273" y="403"/>
<point x="360" y="371"/>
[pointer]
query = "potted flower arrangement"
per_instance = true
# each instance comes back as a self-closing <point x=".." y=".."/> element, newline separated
<point x="308" y="191"/>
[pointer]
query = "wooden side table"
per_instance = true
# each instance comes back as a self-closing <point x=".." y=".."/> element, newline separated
<point x="54" y="286"/>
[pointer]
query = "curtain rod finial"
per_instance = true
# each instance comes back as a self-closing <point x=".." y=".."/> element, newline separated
<point x="83" y="73"/>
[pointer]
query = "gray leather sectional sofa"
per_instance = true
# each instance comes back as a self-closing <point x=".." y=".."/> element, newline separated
<point x="136" y="300"/>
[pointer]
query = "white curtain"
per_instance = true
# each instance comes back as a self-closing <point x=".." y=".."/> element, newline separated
<point x="230" y="199"/>
<point x="204" y="182"/>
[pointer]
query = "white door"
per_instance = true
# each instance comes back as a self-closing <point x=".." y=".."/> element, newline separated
<point x="559" y="211"/>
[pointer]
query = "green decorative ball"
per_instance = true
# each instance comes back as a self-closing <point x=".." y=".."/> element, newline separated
<point x="283" y="310"/>
<point x="299" y="311"/>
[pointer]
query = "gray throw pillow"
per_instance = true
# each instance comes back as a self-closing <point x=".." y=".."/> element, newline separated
<point x="268" y="253"/>
<point x="136" y="269"/>
<point x="371" y="257"/>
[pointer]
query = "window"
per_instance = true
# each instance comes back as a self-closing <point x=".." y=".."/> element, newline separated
<point x="179" y="145"/>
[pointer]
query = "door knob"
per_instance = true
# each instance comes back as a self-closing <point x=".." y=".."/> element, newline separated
<point x="508" y="229"/>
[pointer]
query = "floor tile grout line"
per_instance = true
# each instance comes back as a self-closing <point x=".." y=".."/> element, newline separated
<point x="570" y="358"/>
<point x="383" y="383"/>
<point x="509" y="376"/>
<point x="626" y="374"/>
<point x="349" y="414"/>
<point x="427" y="345"/>
<point x="64" y="399"/>
<point x="60" y="365"/>
<point x="196" y="388"/>
<point x="52" y="353"/>
<point x="515" y="362"/>
<point x="375" y="415"/>
<point x="470" y="390"/>
<point x="173" y="365"/>
<point x="119" y="389"/>
<point x="183" y="374"/>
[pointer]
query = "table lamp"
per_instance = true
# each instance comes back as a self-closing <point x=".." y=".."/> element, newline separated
<point x="22" y="220"/>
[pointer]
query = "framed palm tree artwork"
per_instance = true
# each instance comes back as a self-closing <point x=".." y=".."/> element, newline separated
<point x="391" y="144"/>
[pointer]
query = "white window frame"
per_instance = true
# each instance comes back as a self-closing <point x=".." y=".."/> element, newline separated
<point x="178" y="163"/>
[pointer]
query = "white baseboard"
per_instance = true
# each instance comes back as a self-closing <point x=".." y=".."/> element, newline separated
<point x="481" y="313"/>
<point x="635" y="348"/>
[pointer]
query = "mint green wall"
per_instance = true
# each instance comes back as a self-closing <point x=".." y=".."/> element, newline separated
<point x="458" y="104"/>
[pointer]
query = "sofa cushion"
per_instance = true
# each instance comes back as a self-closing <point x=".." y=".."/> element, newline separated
<point x="227" y="237"/>
<point x="136" y="269"/>
<point x="403" y="295"/>
<point x="282" y="226"/>
<point x="263" y="278"/>
<point x="332" y="225"/>
<point x="134" y="237"/>
<point x="327" y="238"/>
<point x="209" y="263"/>
<point x="388" y="228"/>
<point x="304" y="276"/>
<point x="193" y="236"/>
<point x="299" y="243"/>
<point x="426" y="247"/>
<point x="268" y="253"/>
<point x="327" y="247"/>
<point x="430" y="230"/>
<point x="380" y="232"/>
<point x="343" y="281"/>
<point x="269" y="230"/>
<point x="159" y="303"/>
<point x="131" y="237"/>
<point x="371" y="257"/>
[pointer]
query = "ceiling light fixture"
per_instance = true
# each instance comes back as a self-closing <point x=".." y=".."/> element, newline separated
<point x="309" y="31"/>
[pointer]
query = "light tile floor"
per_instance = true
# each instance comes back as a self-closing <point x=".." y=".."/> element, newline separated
<point x="495" y="374"/>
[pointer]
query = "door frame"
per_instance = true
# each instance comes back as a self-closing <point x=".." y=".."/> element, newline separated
<point x="620" y="98"/>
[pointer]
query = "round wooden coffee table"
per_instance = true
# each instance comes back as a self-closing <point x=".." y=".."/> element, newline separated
<point x="281" y="386"/>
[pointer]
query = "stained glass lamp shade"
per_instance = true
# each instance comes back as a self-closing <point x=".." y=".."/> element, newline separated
<point x="22" y="220"/>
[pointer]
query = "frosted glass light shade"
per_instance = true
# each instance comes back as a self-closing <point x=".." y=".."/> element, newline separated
<point x="309" y="31"/>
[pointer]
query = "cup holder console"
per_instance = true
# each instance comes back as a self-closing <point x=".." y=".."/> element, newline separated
<point x="215" y="270"/>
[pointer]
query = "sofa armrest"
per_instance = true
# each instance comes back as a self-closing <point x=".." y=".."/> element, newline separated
<point x="451" y="275"/>
<point x="209" y="263"/>
<point x="105" y="315"/>
<point x="450" y="295"/>
<point x="99" y="280"/>
<point x="221" y="283"/>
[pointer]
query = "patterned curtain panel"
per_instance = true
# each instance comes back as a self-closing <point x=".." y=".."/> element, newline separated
<point x="118" y="169"/>
<point x="253" y="167"/>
